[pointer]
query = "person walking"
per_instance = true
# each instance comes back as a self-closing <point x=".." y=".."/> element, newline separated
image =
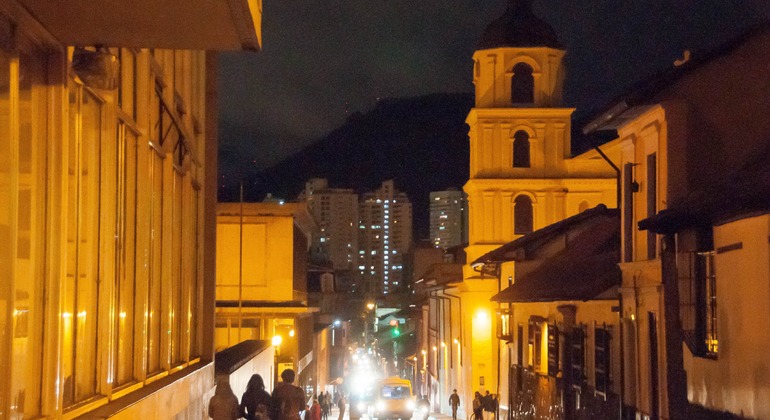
<point x="454" y="402"/>
<point x="486" y="403"/>
<point x="341" y="405"/>
<point x="288" y="400"/>
<point x="315" y="410"/>
<point x="477" y="406"/>
<point x="224" y="404"/>
<point x="326" y="407"/>
<point x="255" y="402"/>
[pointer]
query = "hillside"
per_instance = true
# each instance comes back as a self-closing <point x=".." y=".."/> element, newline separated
<point x="421" y="143"/>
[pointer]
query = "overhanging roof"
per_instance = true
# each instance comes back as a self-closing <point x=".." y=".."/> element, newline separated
<point x="188" y="24"/>
<point x="585" y="269"/>
<point x="744" y="193"/>
<point x="511" y="250"/>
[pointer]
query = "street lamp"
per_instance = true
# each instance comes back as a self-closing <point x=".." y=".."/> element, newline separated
<point x="277" y="339"/>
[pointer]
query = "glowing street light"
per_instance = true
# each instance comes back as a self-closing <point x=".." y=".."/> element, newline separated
<point x="277" y="339"/>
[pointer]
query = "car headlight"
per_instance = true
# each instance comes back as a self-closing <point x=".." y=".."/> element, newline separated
<point x="361" y="406"/>
<point x="380" y="405"/>
<point x="410" y="405"/>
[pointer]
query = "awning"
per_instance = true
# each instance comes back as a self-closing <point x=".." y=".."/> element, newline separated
<point x="188" y="24"/>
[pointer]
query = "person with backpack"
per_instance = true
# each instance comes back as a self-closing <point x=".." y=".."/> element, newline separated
<point x="224" y="404"/>
<point x="255" y="402"/>
<point x="341" y="402"/>
<point x="288" y="400"/>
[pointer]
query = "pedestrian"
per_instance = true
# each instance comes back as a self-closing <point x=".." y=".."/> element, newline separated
<point x="315" y="410"/>
<point x="486" y="403"/>
<point x="224" y="404"/>
<point x="341" y="405"/>
<point x="327" y="405"/>
<point x="454" y="402"/>
<point x="255" y="402"/>
<point x="477" y="406"/>
<point x="288" y="400"/>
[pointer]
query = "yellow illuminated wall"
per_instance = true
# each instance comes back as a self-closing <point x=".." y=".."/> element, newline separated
<point x="257" y="254"/>
<point x="556" y="184"/>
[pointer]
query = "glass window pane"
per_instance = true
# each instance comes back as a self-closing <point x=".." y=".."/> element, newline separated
<point x="30" y="237"/>
<point x="82" y="264"/>
<point x="156" y="224"/>
<point x="6" y="207"/>
<point x="126" y="265"/>
<point x="176" y="273"/>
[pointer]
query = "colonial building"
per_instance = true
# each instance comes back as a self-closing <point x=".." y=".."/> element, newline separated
<point x="558" y="318"/>
<point x="108" y="158"/>
<point x="695" y="141"/>
<point x="525" y="171"/>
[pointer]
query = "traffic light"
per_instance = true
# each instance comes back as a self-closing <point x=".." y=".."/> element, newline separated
<point x="395" y="332"/>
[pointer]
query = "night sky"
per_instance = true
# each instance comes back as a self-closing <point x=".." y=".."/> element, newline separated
<point x="322" y="61"/>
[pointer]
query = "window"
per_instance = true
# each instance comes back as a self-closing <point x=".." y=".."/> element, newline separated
<point x="602" y="360"/>
<point x="521" y="149"/>
<point x="652" y="202"/>
<point x="80" y="291"/>
<point x="628" y="212"/>
<point x="23" y="234"/>
<point x="522" y="84"/>
<point x="553" y="350"/>
<point x="126" y="252"/>
<point x="576" y="357"/>
<point x="522" y="215"/>
<point x="535" y="344"/>
<point x="697" y="291"/>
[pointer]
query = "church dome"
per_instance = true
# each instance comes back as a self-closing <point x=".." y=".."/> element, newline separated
<point x="519" y="27"/>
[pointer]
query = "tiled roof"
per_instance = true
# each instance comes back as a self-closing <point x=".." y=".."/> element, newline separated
<point x="586" y="268"/>
<point x="508" y="252"/>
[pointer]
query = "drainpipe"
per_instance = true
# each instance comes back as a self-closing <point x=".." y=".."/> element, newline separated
<point x="602" y="136"/>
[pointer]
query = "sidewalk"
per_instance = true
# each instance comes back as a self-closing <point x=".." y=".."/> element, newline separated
<point x="335" y="412"/>
<point x="441" y="416"/>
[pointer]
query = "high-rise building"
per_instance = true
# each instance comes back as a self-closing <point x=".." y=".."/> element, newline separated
<point x="448" y="218"/>
<point x="336" y="211"/>
<point x="384" y="237"/>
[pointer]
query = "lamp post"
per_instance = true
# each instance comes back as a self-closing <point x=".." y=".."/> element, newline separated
<point x="277" y="339"/>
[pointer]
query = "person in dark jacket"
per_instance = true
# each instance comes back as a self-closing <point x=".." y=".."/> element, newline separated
<point x="478" y="405"/>
<point x="255" y="402"/>
<point x="454" y="402"/>
<point x="288" y="400"/>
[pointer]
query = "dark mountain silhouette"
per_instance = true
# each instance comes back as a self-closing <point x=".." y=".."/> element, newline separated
<point x="421" y="143"/>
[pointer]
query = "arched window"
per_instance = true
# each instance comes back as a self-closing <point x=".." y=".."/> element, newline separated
<point x="522" y="84"/>
<point x="521" y="149"/>
<point x="522" y="215"/>
<point x="583" y="206"/>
